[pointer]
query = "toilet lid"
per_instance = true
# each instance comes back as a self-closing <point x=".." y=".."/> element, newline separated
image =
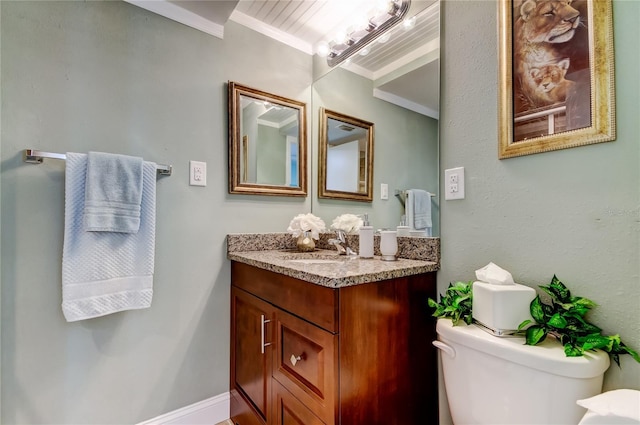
<point x="547" y="356"/>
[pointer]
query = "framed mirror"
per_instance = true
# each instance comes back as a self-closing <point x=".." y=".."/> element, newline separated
<point x="345" y="157"/>
<point x="267" y="143"/>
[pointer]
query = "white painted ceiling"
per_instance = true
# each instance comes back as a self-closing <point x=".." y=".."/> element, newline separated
<point x="404" y="70"/>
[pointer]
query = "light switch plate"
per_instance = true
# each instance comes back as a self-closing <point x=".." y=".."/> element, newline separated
<point x="384" y="191"/>
<point x="454" y="183"/>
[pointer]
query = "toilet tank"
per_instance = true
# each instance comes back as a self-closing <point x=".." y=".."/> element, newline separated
<point x="491" y="380"/>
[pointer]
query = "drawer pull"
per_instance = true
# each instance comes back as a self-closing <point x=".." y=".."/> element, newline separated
<point x="294" y="359"/>
<point x="263" y="324"/>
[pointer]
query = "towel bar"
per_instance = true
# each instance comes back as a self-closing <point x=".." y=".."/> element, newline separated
<point x="402" y="195"/>
<point x="33" y="156"/>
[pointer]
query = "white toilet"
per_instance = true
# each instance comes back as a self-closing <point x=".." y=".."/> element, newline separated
<point x="491" y="380"/>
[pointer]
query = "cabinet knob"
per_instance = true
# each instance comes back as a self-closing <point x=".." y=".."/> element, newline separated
<point x="295" y="359"/>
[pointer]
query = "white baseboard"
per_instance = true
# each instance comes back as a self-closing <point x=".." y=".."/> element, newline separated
<point x="206" y="412"/>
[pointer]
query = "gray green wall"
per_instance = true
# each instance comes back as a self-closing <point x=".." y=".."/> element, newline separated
<point x="109" y="76"/>
<point x="575" y="212"/>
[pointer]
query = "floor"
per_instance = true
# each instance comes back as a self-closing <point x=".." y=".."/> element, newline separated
<point x="227" y="422"/>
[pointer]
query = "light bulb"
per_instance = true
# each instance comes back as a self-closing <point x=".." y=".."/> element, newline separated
<point x="323" y="49"/>
<point x="384" y="38"/>
<point x="383" y="6"/>
<point x="407" y="24"/>
<point x="360" y="23"/>
<point x="364" y="51"/>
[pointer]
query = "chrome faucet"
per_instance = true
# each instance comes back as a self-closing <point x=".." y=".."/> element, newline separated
<point x="342" y="244"/>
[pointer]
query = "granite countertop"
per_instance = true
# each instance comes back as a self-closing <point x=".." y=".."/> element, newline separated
<point x="327" y="268"/>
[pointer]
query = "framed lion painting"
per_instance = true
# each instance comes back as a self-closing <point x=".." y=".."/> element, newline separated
<point x="556" y="75"/>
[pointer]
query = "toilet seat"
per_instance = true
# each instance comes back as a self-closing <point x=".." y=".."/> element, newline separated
<point x="617" y="407"/>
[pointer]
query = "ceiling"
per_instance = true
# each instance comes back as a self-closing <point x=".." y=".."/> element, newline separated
<point x="404" y="70"/>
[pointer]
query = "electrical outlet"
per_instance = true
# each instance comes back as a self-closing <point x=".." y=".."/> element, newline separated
<point x="197" y="173"/>
<point x="454" y="183"/>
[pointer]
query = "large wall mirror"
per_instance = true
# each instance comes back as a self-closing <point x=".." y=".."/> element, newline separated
<point x="345" y="157"/>
<point x="267" y="143"/>
<point x="396" y="88"/>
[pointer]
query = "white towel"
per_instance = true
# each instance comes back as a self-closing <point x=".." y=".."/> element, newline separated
<point x="105" y="272"/>
<point x="113" y="193"/>
<point x="418" y="210"/>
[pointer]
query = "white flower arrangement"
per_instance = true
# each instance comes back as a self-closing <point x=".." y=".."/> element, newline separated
<point x="349" y="223"/>
<point x="306" y="223"/>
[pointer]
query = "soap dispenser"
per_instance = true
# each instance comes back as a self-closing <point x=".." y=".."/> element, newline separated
<point x="366" y="239"/>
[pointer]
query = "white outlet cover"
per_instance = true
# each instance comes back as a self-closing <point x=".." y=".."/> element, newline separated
<point x="454" y="183"/>
<point x="197" y="173"/>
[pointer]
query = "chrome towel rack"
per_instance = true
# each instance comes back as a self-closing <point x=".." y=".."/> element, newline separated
<point x="402" y="195"/>
<point x="33" y="156"/>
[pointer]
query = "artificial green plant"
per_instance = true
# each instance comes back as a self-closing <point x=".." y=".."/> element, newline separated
<point x="565" y="319"/>
<point x="455" y="303"/>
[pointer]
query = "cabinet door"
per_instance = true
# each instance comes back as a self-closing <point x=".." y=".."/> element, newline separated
<point x="288" y="410"/>
<point x="251" y="333"/>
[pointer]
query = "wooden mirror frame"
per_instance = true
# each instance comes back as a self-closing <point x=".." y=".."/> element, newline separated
<point x="238" y="184"/>
<point x="323" y="143"/>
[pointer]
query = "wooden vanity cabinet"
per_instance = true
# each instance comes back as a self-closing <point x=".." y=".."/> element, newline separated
<point x="306" y="354"/>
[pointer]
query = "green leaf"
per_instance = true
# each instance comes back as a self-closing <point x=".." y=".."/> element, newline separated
<point x="566" y="306"/>
<point x="561" y="292"/>
<point x="464" y="287"/>
<point x="523" y="324"/>
<point x="557" y="321"/>
<point x="536" y="310"/>
<point x="535" y="334"/>
<point x="633" y="353"/>
<point x="547" y="291"/>
<point x="577" y="324"/>
<point x="458" y="300"/>
<point x="581" y="311"/>
<point x="583" y="302"/>
<point x="549" y="310"/>
<point x="594" y="341"/>
<point x="571" y="350"/>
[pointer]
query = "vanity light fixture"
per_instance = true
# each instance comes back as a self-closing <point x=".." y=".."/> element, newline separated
<point x="342" y="48"/>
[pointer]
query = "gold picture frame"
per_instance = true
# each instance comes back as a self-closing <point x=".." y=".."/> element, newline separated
<point x="556" y="75"/>
<point x="245" y="158"/>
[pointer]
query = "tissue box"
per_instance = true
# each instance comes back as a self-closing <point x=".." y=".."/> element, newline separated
<point x="501" y="308"/>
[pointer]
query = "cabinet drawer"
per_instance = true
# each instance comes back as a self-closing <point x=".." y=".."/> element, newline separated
<point x="288" y="410"/>
<point x="304" y="363"/>
<point x="314" y="303"/>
